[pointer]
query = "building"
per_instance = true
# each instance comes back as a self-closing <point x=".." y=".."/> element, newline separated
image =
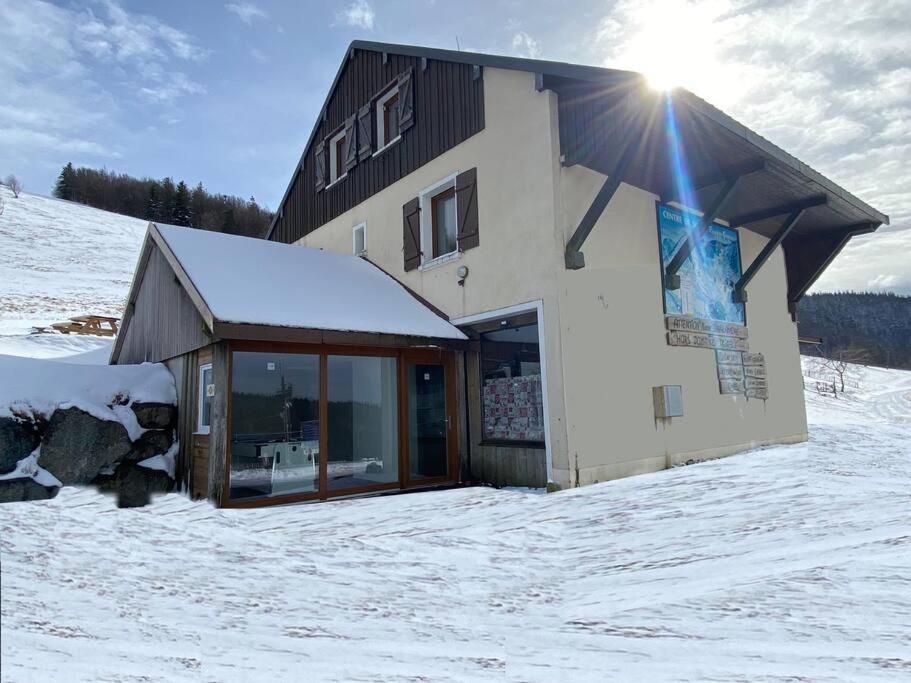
<point x="619" y="268"/>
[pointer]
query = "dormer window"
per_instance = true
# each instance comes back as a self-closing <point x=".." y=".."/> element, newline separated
<point x="387" y="118"/>
<point x="337" y="157"/>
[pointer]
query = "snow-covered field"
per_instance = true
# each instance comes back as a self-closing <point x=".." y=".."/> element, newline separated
<point x="789" y="563"/>
<point x="59" y="259"/>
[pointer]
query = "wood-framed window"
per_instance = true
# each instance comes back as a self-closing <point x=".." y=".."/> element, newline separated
<point x="205" y="394"/>
<point x="337" y="157"/>
<point x="387" y="118"/>
<point x="443" y="223"/>
<point x="439" y="222"/>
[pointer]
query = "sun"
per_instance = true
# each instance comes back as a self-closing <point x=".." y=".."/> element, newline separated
<point x="672" y="43"/>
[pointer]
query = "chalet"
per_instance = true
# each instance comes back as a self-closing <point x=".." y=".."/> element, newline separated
<point x="492" y="269"/>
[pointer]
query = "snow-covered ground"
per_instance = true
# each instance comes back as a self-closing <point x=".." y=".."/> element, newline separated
<point x="59" y="259"/>
<point x="789" y="563"/>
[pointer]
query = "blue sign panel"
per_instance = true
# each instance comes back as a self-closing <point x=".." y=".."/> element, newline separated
<point x="708" y="275"/>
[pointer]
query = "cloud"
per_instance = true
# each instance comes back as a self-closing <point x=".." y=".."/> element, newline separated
<point x="829" y="81"/>
<point x="69" y="77"/>
<point x="523" y="45"/>
<point x="246" y="11"/>
<point x="170" y="89"/>
<point x="259" y="56"/>
<point x="876" y="262"/>
<point x="358" y="14"/>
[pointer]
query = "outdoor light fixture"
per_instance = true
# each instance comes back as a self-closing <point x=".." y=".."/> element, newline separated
<point x="462" y="272"/>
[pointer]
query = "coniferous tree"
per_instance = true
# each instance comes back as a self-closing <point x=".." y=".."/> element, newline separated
<point x="227" y="223"/>
<point x="197" y="205"/>
<point x="167" y="198"/>
<point x="65" y="187"/>
<point x="155" y="200"/>
<point x="153" y="204"/>
<point x="180" y="213"/>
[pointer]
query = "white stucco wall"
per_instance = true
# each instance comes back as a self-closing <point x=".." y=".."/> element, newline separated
<point x="604" y="324"/>
<point x="520" y="251"/>
<point x="615" y="351"/>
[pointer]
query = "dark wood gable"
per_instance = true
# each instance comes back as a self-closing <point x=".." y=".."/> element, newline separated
<point x="442" y="105"/>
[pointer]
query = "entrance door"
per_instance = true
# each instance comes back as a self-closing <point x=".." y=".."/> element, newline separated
<point x="429" y="405"/>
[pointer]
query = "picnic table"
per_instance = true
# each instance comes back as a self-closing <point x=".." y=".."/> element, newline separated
<point x="98" y="325"/>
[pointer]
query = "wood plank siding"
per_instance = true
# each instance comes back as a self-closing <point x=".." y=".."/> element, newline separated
<point x="164" y="322"/>
<point x="448" y="109"/>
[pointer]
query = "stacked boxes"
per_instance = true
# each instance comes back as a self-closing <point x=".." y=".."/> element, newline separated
<point x="514" y="408"/>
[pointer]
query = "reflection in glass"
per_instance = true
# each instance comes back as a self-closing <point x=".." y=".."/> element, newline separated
<point x="511" y="394"/>
<point x="426" y="421"/>
<point x="363" y="437"/>
<point x="274" y="424"/>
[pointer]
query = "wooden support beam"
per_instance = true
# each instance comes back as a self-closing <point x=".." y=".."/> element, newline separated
<point x="671" y="278"/>
<point x="780" y="210"/>
<point x="575" y="259"/>
<point x="740" y="295"/>
<point x="807" y="256"/>
<point x="718" y="176"/>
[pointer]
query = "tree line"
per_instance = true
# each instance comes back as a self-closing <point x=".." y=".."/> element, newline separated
<point x="162" y="200"/>
<point x="858" y="327"/>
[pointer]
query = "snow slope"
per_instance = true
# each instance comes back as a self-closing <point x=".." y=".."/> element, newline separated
<point x="789" y="563"/>
<point x="59" y="259"/>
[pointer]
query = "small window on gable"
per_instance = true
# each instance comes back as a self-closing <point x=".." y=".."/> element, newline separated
<point x="205" y="396"/>
<point x="387" y="118"/>
<point x="337" y="157"/>
<point x="359" y="239"/>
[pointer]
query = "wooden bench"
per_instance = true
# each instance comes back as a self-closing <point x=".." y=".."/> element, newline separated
<point x="97" y="325"/>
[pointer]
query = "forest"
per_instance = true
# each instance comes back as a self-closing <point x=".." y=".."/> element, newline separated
<point x="162" y="200"/>
<point x="859" y="327"/>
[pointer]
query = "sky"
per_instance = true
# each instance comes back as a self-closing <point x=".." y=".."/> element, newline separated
<point x="226" y="93"/>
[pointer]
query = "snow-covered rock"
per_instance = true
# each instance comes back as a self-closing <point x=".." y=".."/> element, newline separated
<point x="77" y="445"/>
<point x="22" y="489"/>
<point x="18" y="438"/>
<point x="69" y="424"/>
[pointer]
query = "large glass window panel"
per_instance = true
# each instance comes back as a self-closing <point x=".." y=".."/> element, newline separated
<point x="274" y="424"/>
<point x="427" y="423"/>
<point x="512" y="399"/>
<point x="363" y="437"/>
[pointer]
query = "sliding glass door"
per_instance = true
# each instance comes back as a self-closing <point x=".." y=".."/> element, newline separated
<point x="324" y="421"/>
<point x="275" y="424"/>
<point x="363" y="417"/>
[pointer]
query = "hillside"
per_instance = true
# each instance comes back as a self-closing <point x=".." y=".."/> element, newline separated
<point x="787" y="563"/>
<point x="875" y="328"/>
<point x="60" y="258"/>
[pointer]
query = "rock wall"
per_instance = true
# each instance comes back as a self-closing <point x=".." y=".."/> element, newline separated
<point x="73" y="447"/>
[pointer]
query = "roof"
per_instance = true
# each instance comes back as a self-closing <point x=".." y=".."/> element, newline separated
<point x="247" y="281"/>
<point x="577" y="72"/>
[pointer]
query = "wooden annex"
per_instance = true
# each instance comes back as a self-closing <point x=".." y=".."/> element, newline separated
<point x="169" y="319"/>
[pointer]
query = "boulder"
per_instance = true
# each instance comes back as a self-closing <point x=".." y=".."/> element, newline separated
<point x="135" y="484"/>
<point x="152" y="442"/>
<point x="76" y="446"/>
<point x="22" y="489"/>
<point x="18" y="438"/>
<point x="155" y="415"/>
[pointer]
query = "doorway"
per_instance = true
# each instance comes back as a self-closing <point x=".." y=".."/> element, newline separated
<point x="429" y="413"/>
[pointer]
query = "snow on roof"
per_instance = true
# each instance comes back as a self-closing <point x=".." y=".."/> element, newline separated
<point x="255" y="281"/>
